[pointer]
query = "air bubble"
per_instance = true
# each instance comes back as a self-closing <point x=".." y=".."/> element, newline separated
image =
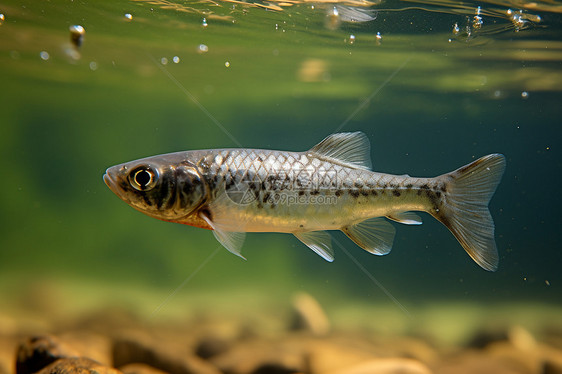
<point x="351" y="39"/>
<point x="333" y="19"/>
<point x="77" y="35"/>
<point x="378" y="38"/>
<point x="227" y="64"/>
<point x="456" y="29"/>
<point x="44" y="55"/>
<point x="176" y="59"/>
<point x="477" y="22"/>
<point x="164" y="61"/>
<point x="524" y="95"/>
<point x="205" y="24"/>
<point x="518" y="20"/>
<point x="2" y="18"/>
<point x="128" y="16"/>
<point x="93" y="66"/>
<point x="202" y="48"/>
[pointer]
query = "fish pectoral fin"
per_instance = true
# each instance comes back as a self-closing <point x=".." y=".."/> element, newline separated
<point x="349" y="148"/>
<point x="374" y="235"/>
<point x="319" y="241"/>
<point x="407" y="218"/>
<point x="231" y="240"/>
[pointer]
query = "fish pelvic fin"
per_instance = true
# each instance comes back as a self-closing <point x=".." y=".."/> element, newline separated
<point x="464" y="210"/>
<point x="319" y="241"/>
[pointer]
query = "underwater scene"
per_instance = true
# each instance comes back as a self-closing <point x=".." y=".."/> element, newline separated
<point x="420" y="88"/>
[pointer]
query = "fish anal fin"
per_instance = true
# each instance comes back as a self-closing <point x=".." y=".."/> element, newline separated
<point x="319" y="241"/>
<point x="407" y="218"/>
<point x="348" y="148"/>
<point x="374" y="235"/>
<point x="231" y="240"/>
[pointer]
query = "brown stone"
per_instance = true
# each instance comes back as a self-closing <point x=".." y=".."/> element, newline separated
<point x="172" y="356"/>
<point x="210" y="346"/>
<point x="91" y="345"/>
<point x="138" y="368"/>
<point x="552" y="359"/>
<point x="77" y="365"/>
<point x="309" y="316"/>
<point x="527" y="360"/>
<point x="37" y="352"/>
<point x="262" y="356"/>
<point x="332" y="355"/>
<point x="479" y="362"/>
<point x="7" y="350"/>
<point x="386" y="366"/>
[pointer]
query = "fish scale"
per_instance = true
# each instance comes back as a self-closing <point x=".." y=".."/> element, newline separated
<point x="329" y="187"/>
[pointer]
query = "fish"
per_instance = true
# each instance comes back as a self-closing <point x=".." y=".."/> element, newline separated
<point x="329" y="187"/>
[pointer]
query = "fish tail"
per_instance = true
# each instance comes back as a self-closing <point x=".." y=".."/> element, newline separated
<point x="464" y="207"/>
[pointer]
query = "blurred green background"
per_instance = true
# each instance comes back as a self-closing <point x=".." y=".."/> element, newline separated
<point x="429" y="104"/>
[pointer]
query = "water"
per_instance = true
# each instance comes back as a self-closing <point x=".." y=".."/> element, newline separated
<point x="434" y="85"/>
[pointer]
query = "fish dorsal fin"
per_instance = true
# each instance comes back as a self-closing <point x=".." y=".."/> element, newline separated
<point x="349" y="148"/>
<point x="407" y="218"/>
<point x="231" y="240"/>
<point x="319" y="241"/>
<point x="374" y="235"/>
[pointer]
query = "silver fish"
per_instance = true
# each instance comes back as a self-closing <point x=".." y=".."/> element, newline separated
<point x="329" y="187"/>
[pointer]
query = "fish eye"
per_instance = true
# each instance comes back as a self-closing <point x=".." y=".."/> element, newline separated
<point x="143" y="178"/>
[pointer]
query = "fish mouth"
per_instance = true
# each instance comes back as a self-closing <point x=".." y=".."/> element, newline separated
<point x="110" y="182"/>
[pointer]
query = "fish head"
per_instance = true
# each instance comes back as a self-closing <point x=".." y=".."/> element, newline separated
<point x="166" y="187"/>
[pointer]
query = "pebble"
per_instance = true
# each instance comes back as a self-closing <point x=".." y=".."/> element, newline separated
<point x="386" y="366"/>
<point x="308" y="315"/>
<point x="77" y="365"/>
<point x="7" y="346"/>
<point x="210" y="346"/>
<point x="88" y="344"/>
<point x="262" y="356"/>
<point x="332" y="355"/>
<point x="137" y="368"/>
<point x="170" y="356"/>
<point x="37" y="352"/>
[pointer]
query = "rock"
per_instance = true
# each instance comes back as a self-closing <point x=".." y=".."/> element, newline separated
<point x="172" y="356"/>
<point x="106" y="321"/>
<point x="386" y="366"/>
<point x="484" y="337"/>
<point x="91" y="345"/>
<point x="527" y="360"/>
<point x="552" y="367"/>
<point x="333" y="355"/>
<point x="262" y="356"/>
<point x="37" y="352"/>
<point x="309" y="316"/>
<point x="522" y="339"/>
<point x="7" y="348"/>
<point x="275" y="369"/>
<point x="138" y="368"/>
<point x="470" y="362"/>
<point x="77" y="365"/>
<point x="210" y="346"/>
<point x="408" y="347"/>
<point x="552" y="359"/>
